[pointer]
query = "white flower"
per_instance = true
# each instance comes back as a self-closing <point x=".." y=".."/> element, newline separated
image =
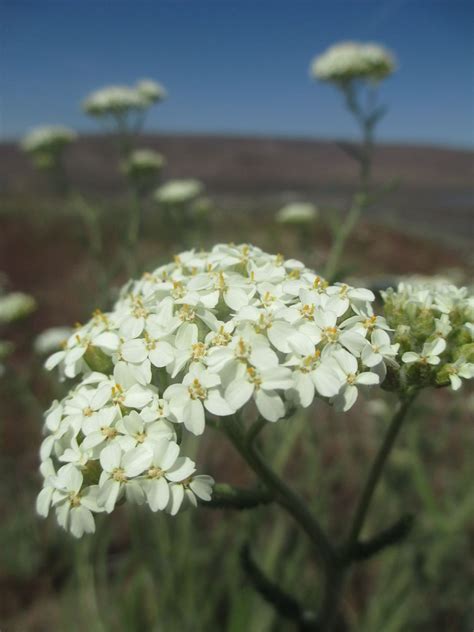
<point x="135" y="431"/>
<point x="460" y="369"/>
<point x="179" y="191"/>
<point x="442" y="326"/>
<point x="47" y="138"/>
<point x="346" y="367"/>
<point x="166" y="467"/>
<point x="143" y="162"/>
<point x="351" y="60"/>
<point x="119" y="469"/>
<point x="262" y="380"/>
<point x="297" y="213"/>
<point x="15" y="305"/>
<point x="114" y="100"/>
<point x="429" y="354"/>
<point x="199" y="486"/>
<point x="123" y="390"/>
<point x="151" y="91"/>
<point x="198" y="392"/>
<point x="51" y="340"/>
<point x="379" y="348"/>
<point x="74" y="505"/>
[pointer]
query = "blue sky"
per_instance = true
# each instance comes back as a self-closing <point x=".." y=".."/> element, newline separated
<point x="238" y="66"/>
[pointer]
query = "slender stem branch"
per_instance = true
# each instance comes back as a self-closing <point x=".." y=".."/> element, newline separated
<point x="284" y="495"/>
<point x="336" y="576"/>
<point x="367" y="123"/>
<point x="342" y="236"/>
<point x="376" y="471"/>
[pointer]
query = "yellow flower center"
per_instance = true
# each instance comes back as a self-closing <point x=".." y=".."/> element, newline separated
<point x="196" y="390"/>
<point x="118" y="474"/>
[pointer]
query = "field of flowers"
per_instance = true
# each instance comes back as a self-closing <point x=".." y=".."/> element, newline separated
<point x="226" y="420"/>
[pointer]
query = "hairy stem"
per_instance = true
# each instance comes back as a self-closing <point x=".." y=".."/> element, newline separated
<point x="366" y="121"/>
<point x="335" y="580"/>
<point x="283" y="494"/>
<point x="376" y="470"/>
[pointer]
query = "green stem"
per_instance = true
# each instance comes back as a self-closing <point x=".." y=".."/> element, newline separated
<point x="376" y="470"/>
<point x="337" y="573"/>
<point x="134" y="231"/>
<point x="283" y="494"/>
<point x="361" y="198"/>
<point x="335" y="254"/>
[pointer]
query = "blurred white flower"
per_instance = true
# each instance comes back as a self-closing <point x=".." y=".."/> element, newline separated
<point x="151" y="91"/>
<point x="428" y="355"/>
<point x="179" y="191"/>
<point x="51" y="340"/>
<point x="15" y="305"/>
<point x="113" y="100"/>
<point x="353" y="60"/>
<point x="47" y="139"/>
<point x="143" y="162"/>
<point x="297" y="213"/>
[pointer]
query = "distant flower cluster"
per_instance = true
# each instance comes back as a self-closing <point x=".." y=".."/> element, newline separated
<point x="143" y="163"/>
<point x="46" y="143"/>
<point x="297" y="213"/>
<point x="179" y="191"/>
<point x="347" y="61"/>
<point x="13" y="306"/>
<point x="433" y="323"/>
<point x="120" y="100"/>
<point x="211" y="334"/>
<point x="51" y="340"/>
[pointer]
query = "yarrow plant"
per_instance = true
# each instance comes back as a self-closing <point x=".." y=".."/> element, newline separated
<point x="124" y="108"/>
<point x="300" y="213"/>
<point x="46" y="144"/>
<point x="143" y="167"/>
<point x="348" y="61"/>
<point x="211" y="335"/>
<point x="433" y="324"/>
<point x="235" y="339"/>
<point x="356" y="70"/>
<point x="13" y="306"/>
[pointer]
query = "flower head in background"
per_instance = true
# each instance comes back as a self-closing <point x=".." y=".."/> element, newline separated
<point x="113" y="100"/>
<point x="179" y="191"/>
<point x="118" y="101"/>
<point x="347" y="61"/>
<point x="15" y="305"/>
<point x="46" y="144"/>
<point x="151" y="91"/>
<point x="51" y="340"/>
<point x="297" y="213"/>
<point x="143" y="166"/>
<point x="144" y="160"/>
<point x="433" y="323"/>
<point x="208" y="335"/>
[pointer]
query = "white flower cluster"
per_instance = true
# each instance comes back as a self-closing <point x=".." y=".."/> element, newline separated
<point x="210" y="334"/>
<point x="433" y="323"/>
<point x="119" y="100"/>
<point x="143" y="162"/>
<point x="297" y="213"/>
<point x="15" y="305"/>
<point x="151" y="91"/>
<point x="179" y="191"/>
<point x="352" y="60"/>
<point x="51" y="340"/>
<point x="47" y="139"/>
